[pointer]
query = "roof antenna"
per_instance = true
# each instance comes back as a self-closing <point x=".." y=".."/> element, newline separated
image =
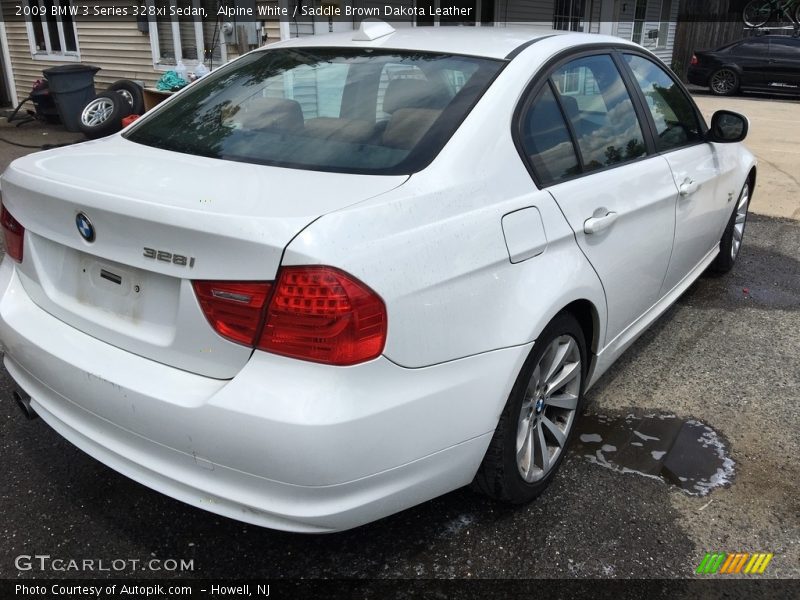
<point x="372" y="29"/>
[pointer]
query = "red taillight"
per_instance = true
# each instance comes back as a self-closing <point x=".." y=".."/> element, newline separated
<point x="694" y="60"/>
<point x="234" y="309"/>
<point x="315" y="313"/>
<point x="324" y="315"/>
<point x="14" y="234"/>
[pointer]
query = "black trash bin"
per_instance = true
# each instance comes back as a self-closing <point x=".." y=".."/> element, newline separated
<point x="72" y="87"/>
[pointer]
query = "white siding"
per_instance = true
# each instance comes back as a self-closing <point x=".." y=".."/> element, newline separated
<point x="272" y="24"/>
<point x="123" y="52"/>
<point x="624" y="25"/>
<point x="117" y="47"/>
<point x="534" y="11"/>
<point x="593" y="10"/>
<point x="665" y="54"/>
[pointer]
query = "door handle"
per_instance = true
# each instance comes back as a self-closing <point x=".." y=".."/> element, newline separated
<point x="596" y="224"/>
<point x="688" y="187"/>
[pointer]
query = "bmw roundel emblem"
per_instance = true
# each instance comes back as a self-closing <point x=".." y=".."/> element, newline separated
<point x="85" y="227"/>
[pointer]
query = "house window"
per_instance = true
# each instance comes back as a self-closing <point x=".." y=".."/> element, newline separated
<point x="639" y="15"/>
<point x="568" y="15"/>
<point x="663" y="26"/>
<point x="52" y="36"/>
<point x="176" y="38"/>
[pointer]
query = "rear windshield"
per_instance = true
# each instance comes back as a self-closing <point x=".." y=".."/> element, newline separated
<point x="329" y="109"/>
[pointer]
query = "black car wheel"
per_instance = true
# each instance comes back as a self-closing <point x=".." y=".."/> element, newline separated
<point x="724" y="82"/>
<point x="103" y="115"/>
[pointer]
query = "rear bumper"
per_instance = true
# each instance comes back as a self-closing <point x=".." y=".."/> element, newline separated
<point x="285" y="444"/>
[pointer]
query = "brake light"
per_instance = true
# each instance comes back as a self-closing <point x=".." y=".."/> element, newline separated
<point x="323" y="315"/>
<point x="13" y="233"/>
<point x="694" y="60"/>
<point x="234" y="309"/>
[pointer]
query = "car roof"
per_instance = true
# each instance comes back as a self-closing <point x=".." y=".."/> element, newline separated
<point x="489" y="42"/>
<point x="771" y="36"/>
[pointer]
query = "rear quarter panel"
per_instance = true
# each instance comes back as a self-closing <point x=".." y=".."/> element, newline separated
<point x="434" y="247"/>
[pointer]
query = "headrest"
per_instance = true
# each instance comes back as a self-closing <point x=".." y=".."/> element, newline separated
<point x="570" y="105"/>
<point x="413" y="93"/>
<point x="275" y="113"/>
<point x="407" y="126"/>
<point x="342" y="130"/>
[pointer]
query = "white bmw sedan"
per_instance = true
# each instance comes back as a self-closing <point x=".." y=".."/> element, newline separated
<point x="343" y="275"/>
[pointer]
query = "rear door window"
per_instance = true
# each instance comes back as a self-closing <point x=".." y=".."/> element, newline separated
<point x="755" y="47"/>
<point x="601" y="115"/>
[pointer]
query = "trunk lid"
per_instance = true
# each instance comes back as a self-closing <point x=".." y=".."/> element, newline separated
<point x="161" y="219"/>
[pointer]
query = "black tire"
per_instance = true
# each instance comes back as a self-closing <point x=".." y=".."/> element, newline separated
<point x="131" y="91"/>
<point x="728" y="246"/>
<point x="724" y="82"/>
<point x="756" y="13"/>
<point x="500" y="475"/>
<point x="103" y="115"/>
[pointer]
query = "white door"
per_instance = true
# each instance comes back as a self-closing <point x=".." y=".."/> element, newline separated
<point x="632" y="252"/>
<point x="619" y="200"/>
<point x="703" y="204"/>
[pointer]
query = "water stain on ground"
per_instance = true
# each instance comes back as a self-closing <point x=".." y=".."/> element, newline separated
<point x="683" y="452"/>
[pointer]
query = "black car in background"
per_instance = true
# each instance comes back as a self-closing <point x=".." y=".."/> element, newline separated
<point x="764" y="63"/>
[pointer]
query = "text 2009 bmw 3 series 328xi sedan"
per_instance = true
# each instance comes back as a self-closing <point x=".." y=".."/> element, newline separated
<point x="335" y="279"/>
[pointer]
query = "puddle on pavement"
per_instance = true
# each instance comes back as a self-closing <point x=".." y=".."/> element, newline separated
<point x="683" y="452"/>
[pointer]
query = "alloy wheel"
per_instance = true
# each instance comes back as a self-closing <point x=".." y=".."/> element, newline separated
<point x="127" y="95"/>
<point x="97" y="111"/>
<point x="549" y="408"/>
<point x="739" y="223"/>
<point x="723" y="81"/>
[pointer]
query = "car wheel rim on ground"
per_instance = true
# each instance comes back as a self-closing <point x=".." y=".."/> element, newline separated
<point x="549" y="408"/>
<point x="127" y="95"/>
<point x="97" y="111"/>
<point x="741" y="219"/>
<point x="723" y="81"/>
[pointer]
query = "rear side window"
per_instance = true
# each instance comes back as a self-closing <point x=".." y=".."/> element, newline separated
<point x="353" y="110"/>
<point x="546" y="140"/>
<point x="673" y="114"/>
<point x="600" y="112"/>
<point x="756" y="47"/>
<point x="789" y="48"/>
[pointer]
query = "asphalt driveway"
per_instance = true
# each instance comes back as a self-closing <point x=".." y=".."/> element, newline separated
<point x="727" y="355"/>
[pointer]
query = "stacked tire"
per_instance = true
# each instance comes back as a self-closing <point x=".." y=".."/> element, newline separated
<point x="103" y="115"/>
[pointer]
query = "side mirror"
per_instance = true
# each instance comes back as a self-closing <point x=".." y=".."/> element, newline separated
<point x="727" y="127"/>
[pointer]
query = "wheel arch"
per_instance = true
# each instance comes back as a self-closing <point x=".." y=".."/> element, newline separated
<point x="589" y="319"/>
<point x="728" y="65"/>
<point x="586" y="313"/>
<point x="751" y="180"/>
